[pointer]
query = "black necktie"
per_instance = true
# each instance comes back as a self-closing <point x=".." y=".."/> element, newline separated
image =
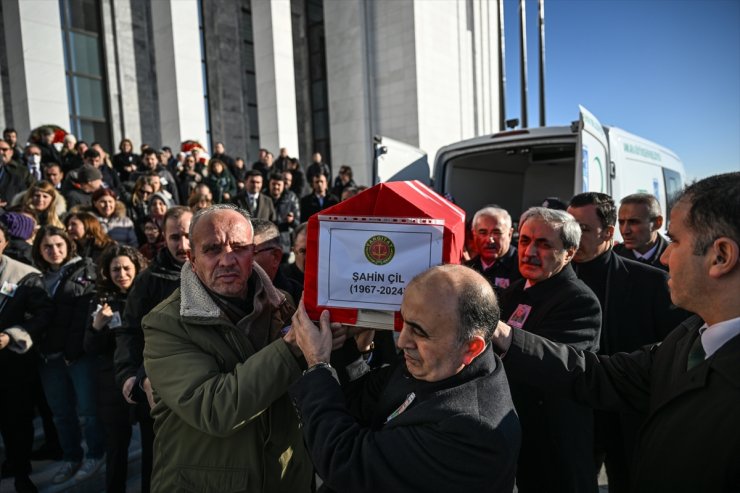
<point x="696" y="354"/>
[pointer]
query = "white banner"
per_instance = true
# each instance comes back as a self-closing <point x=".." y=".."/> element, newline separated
<point x="366" y="263"/>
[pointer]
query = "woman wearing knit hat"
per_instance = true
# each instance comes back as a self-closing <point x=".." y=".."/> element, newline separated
<point x="21" y="228"/>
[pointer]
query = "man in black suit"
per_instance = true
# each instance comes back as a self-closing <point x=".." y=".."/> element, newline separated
<point x="640" y="220"/>
<point x="497" y="259"/>
<point x="636" y="309"/>
<point x="689" y="386"/>
<point x="441" y="419"/>
<point x="317" y="200"/>
<point x="258" y="204"/>
<point x="557" y="435"/>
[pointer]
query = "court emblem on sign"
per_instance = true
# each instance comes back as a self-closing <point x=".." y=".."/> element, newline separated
<point x="379" y="250"/>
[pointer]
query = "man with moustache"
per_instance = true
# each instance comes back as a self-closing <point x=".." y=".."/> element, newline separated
<point x="497" y="259"/>
<point x="640" y="220"/>
<point x="150" y="287"/>
<point x="220" y="370"/>
<point x="439" y="420"/>
<point x="689" y="385"/>
<point x="557" y="434"/>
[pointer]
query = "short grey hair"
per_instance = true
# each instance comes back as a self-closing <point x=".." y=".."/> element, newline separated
<point x="215" y="208"/>
<point x="646" y="199"/>
<point x="490" y="211"/>
<point x="561" y="221"/>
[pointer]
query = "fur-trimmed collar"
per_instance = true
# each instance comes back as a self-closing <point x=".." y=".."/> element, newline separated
<point x="197" y="303"/>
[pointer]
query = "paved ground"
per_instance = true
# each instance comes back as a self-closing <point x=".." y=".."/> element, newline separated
<point x="43" y="471"/>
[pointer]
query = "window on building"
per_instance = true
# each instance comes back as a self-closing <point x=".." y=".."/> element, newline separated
<point x="85" y="68"/>
<point x="250" y="98"/>
<point x="317" y="78"/>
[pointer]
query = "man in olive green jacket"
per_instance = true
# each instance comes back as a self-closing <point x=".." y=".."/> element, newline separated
<point x="220" y="370"/>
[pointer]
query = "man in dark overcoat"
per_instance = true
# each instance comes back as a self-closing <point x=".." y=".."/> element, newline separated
<point x="557" y="434"/>
<point x="688" y="386"/>
<point x="441" y="419"/>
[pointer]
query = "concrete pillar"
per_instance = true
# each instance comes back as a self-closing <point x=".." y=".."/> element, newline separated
<point x="349" y="66"/>
<point x="122" y="84"/>
<point x="273" y="53"/>
<point x="38" y="87"/>
<point x="177" y="51"/>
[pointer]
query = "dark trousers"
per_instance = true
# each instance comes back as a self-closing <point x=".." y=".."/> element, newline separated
<point x="146" y="425"/>
<point x="116" y="416"/>
<point x="16" y="425"/>
<point x="614" y="440"/>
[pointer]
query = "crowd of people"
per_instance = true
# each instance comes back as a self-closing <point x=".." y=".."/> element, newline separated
<point x="158" y="288"/>
<point x="95" y="241"/>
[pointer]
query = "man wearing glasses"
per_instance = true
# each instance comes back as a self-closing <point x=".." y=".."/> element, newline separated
<point x="497" y="259"/>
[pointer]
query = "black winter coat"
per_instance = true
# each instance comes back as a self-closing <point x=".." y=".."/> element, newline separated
<point x="690" y="441"/>
<point x="460" y="434"/>
<point x="31" y="309"/>
<point x="71" y="300"/>
<point x="151" y="287"/>
<point x="557" y="434"/>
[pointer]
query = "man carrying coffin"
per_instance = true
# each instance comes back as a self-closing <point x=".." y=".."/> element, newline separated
<point x="441" y="420"/>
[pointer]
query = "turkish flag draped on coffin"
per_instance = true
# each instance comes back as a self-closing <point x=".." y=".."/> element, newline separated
<point x="361" y="253"/>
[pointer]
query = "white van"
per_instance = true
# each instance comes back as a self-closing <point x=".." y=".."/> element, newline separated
<point x="520" y="168"/>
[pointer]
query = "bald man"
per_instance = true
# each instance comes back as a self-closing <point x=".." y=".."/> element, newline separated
<point x="441" y="419"/>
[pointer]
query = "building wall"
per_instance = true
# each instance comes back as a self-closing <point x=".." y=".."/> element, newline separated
<point x="418" y="71"/>
<point x="146" y="72"/>
<point x="273" y="51"/>
<point x="35" y="65"/>
<point x="226" y="91"/>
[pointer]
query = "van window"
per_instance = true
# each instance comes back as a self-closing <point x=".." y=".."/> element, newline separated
<point x="673" y="187"/>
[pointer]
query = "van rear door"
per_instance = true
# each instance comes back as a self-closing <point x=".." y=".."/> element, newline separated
<point x="397" y="161"/>
<point x="593" y="158"/>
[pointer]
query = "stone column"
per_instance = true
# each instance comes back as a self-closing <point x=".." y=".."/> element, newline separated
<point x="178" y="54"/>
<point x="273" y="53"/>
<point x="38" y="87"/>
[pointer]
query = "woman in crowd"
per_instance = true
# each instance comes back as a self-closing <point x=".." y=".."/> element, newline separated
<point x="158" y="205"/>
<point x="137" y="205"/>
<point x="87" y="233"/>
<point x="154" y="239"/>
<point x="21" y="228"/>
<point x="125" y="162"/>
<point x="198" y="201"/>
<point x="220" y="181"/>
<point x="112" y="216"/>
<point x="119" y="265"/>
<point x="67" y="372"/>
<point x="48" y="204"/>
